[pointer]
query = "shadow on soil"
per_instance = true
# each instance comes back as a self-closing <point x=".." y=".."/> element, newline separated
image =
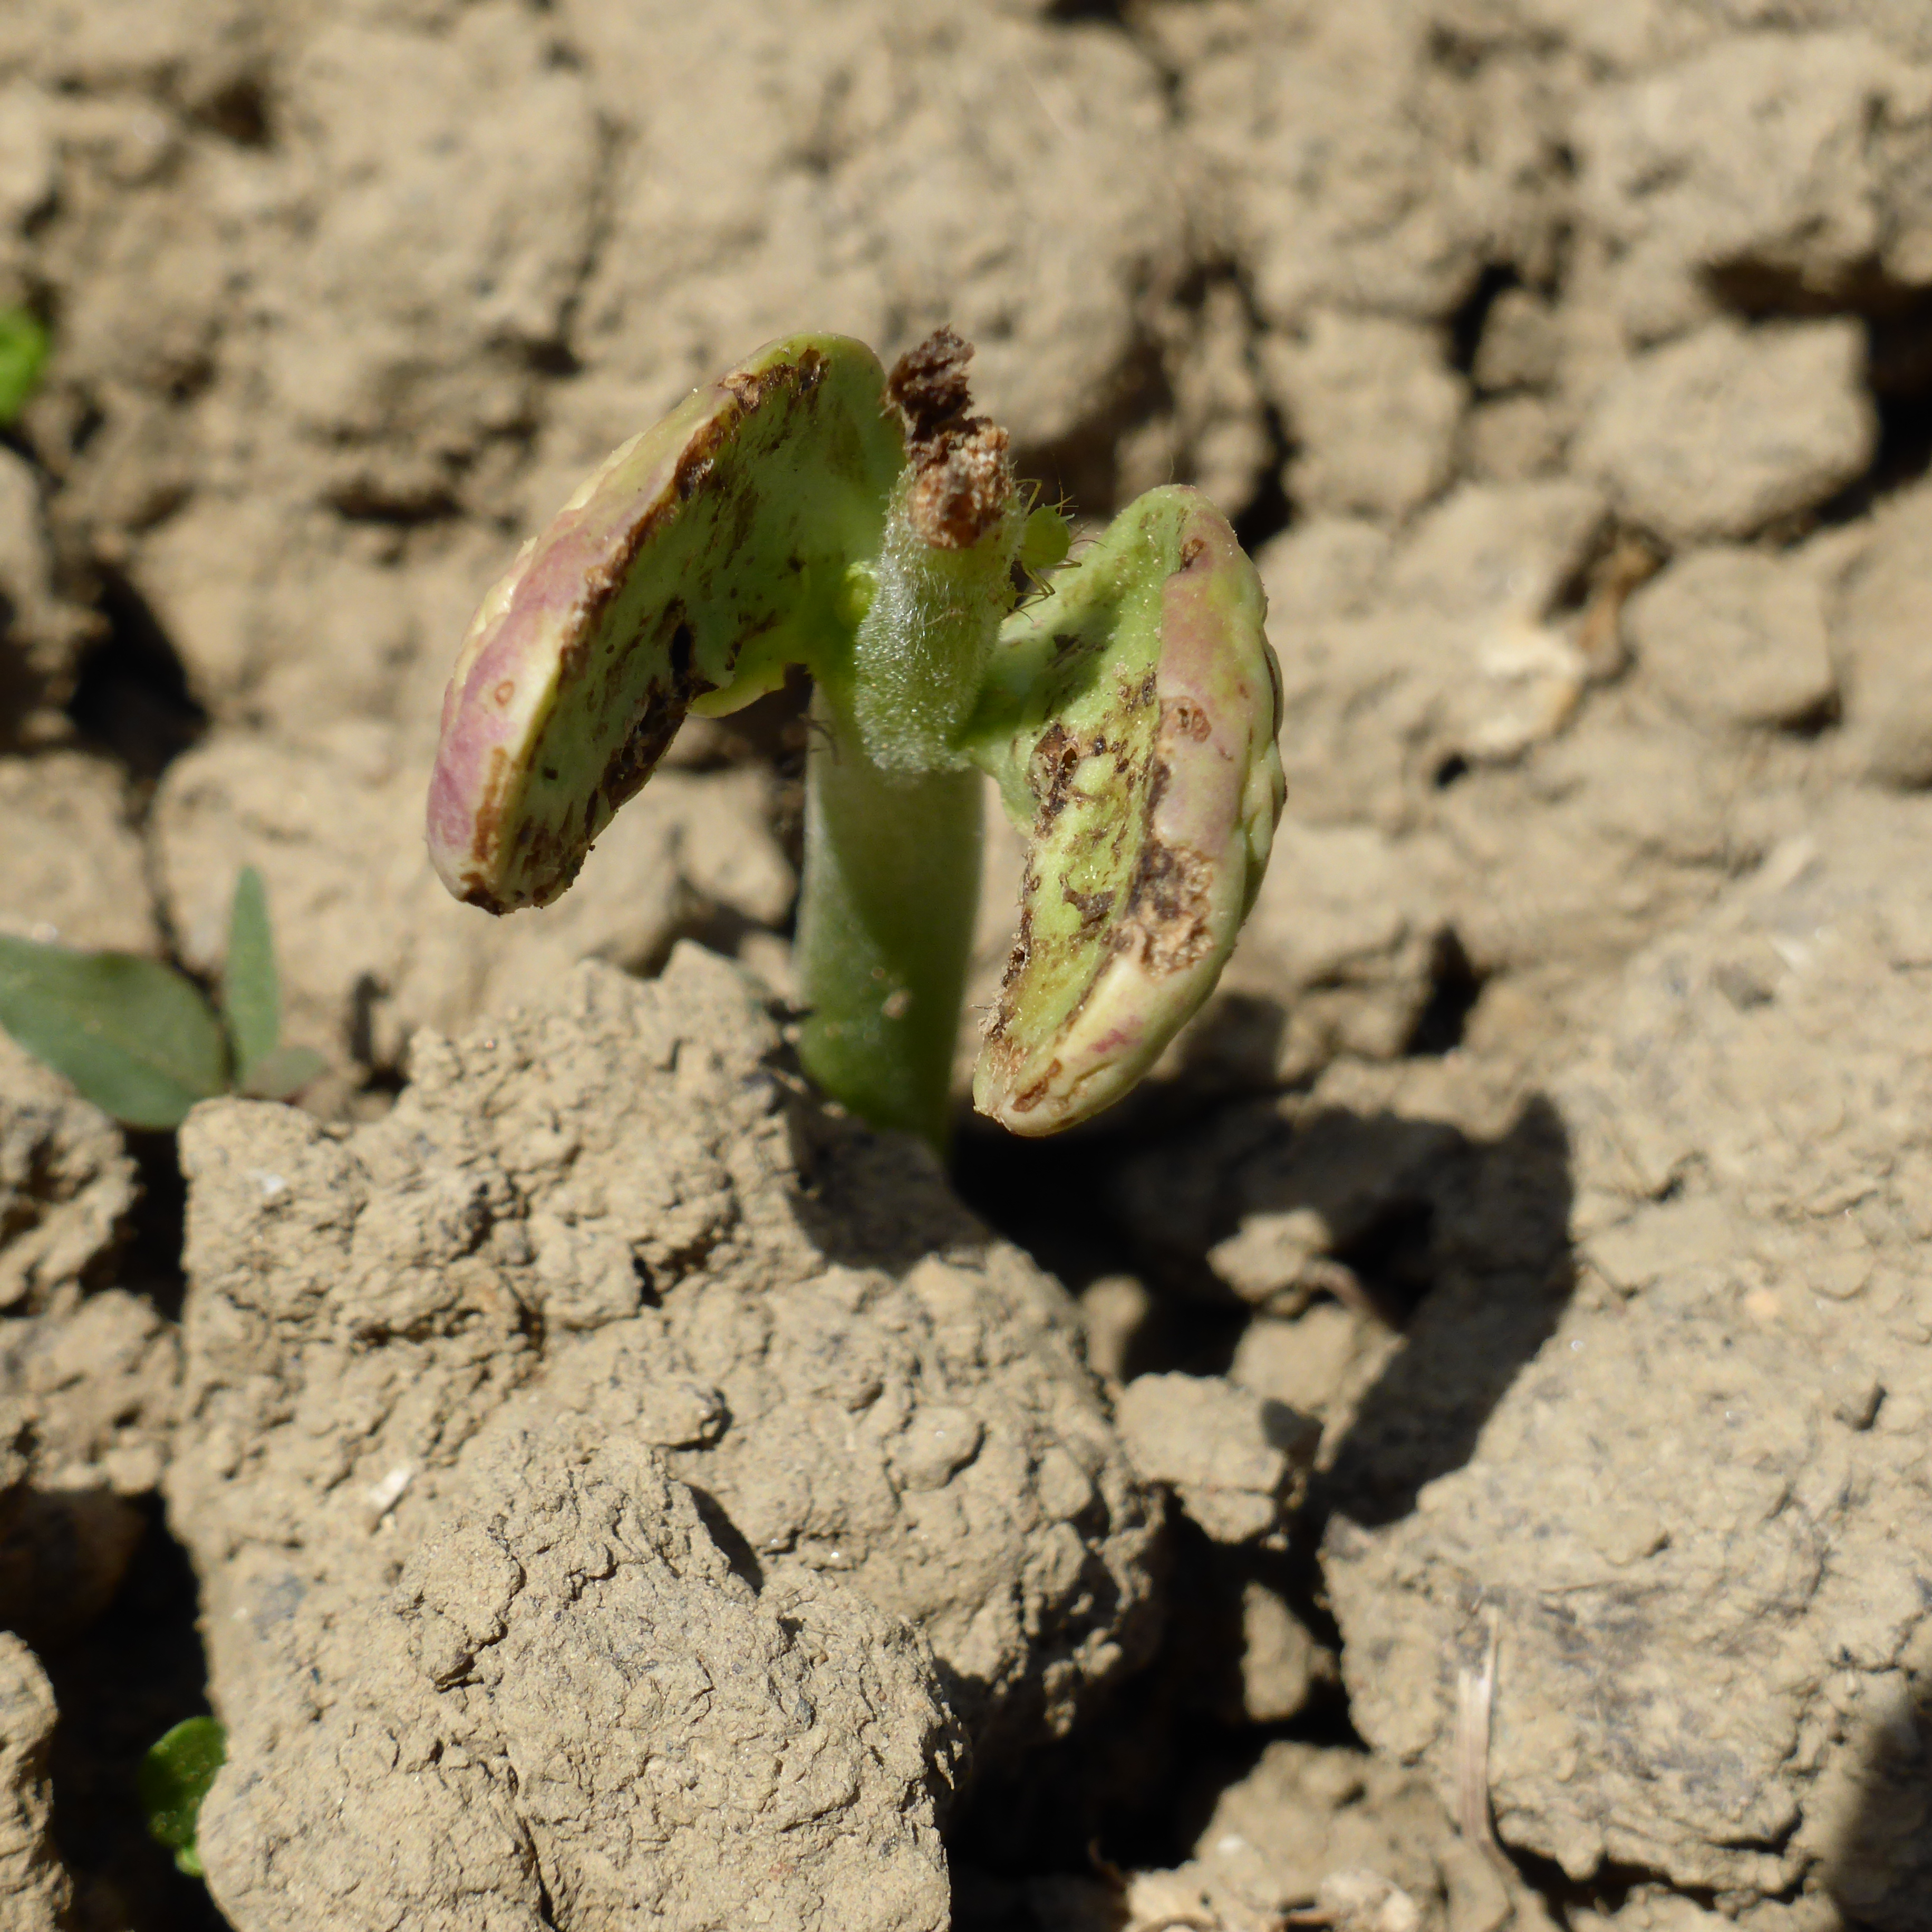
<point x="133" y="700"/>
<point x="1462" y="1243"/>
<point x="1876" y="1870"/>
<point x="119" y="1683"/>
<point x="1880" y="1870"/>
<point x="1498" y="1275"/>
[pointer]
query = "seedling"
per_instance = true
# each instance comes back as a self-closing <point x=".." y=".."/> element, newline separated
<point x="23" y="356"/>
<point x="138" y="1039"/>
<point x="174" y="1777"/>
<point x="807" y="509"/>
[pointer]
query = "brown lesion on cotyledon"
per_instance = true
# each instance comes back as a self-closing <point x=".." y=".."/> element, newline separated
<point x="1165" y="920"/>
<point x="550" y="852"/>
<point x="1162" y="917"/>
<point x="1001" y="1018"/>
<point x="1093" y="908"/>
<point x="1050" y="771"/>
<point x="484" y="826"/>
<point x="749" y="387"/>
<point x="553" y="838"/>
<point x="637" y="756"/>
<point x="667" y="698"/>
<point x="573" y="660"/>
<point x="604" y="580"/>
<point x="962" y="477"/>
<point x="1182" y="718"/>
<point x="1025" y="1102"/>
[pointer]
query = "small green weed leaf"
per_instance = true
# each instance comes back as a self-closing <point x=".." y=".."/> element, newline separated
<point x="174" y="1778"/>
<point x="23" y="356"/>
<point x="280" y="1073"/>
<point x="133" y="1035"/>
<point x="251" y="997"/>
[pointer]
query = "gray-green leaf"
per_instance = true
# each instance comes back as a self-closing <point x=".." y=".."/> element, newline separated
<point x="251" y="997"/>
<point x="174" y="1778"/>
<point x="133" y="1035"/>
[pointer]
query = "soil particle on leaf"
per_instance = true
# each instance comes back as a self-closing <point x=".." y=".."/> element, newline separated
<point x="962" y="477"/>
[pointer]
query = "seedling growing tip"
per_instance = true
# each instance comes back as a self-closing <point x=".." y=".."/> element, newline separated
<point x="806" y="509"/>
<point x="24" y="348"/>
<point x="174" y="1776"/>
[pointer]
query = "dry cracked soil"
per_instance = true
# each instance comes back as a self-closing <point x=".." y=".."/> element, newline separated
<point x="1450" y="1454"/>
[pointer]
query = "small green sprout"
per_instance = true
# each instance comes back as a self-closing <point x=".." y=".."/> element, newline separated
<point x="138" y="1039"/>
<point x="174" y="1777"/>
<point x="23" y="356"/>
<point x="806" y="509"/>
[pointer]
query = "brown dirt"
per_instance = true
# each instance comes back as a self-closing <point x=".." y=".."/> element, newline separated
<point x="1512" y="1273"/>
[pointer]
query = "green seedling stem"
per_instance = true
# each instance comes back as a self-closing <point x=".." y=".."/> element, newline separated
<point x="885" y="929"/>
<point x="807" y="509"/>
